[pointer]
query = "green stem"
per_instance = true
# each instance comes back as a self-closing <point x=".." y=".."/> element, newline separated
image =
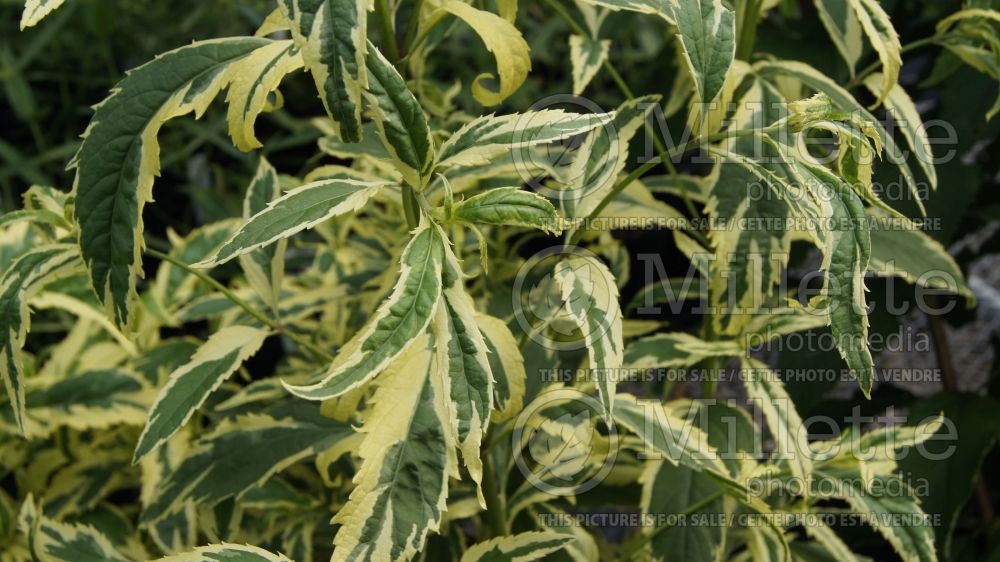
<point x="387" y="30"/>
<point x="747" y="17"/>
<point x="411" y="27"/>
<point x="496" y="514"/>
<point x="411" y="208"/>
<point x="258" y="315"/>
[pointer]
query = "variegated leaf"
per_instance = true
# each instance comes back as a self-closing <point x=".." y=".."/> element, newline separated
<point x="708" y="37"/>
<point x="297" y="210"/>
<point x="400" y="120"/>
<point x="226" y="552"/>
<point x="844" y="28"/>
<point x="506" y="364"/>
<point x="905" y="114"/>
<point x="590" y="296"/>
<point x="119" y="156"/>
<point x="265" y="267"/>
<point x="332" y="37"/>
<point x="676" y="349"/>
<point x="586" y="56"/>
<point x="189" y="386"/>
<point x="258" y="75"/>
<point x="36" y="10"/>
<point x="408" y="454"/>
<point x="481" y="140"/>
<point x="525" y="547"/>
<point x="393" y="327"/>
<point x="55" y="541"/>
<point x="25" y="277"/>
<point x="509" y="206"/>
<point x="883" y="38"/>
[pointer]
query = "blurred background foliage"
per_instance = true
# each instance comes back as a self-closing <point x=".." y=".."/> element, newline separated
<point x="53" y="73"/>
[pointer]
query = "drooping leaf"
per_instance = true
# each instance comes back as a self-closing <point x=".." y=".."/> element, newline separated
<point x="119" y="157"/>
<point x="261" y="72"/>
<point x="332" y="37"/>
<point x="393" y="327"/>
<point x="590" y="296"/>
<point x="301" y="208"/>
<point x="509" y="206"/>
<point x="36" y="10"/>
<point x="708" y="36"/>
<point x="25" y="277"/>
<point x="844" y="28"/>
<point x="408" y="455"/>
<point x="883" y="38"/>
<point x="504" y="41"/>
<point x="189" y="386"/>
<point x="265" y="267"/>
<point x="905" y="114"/>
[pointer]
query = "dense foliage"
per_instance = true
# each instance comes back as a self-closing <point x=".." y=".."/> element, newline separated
<point x="474" y="280"/>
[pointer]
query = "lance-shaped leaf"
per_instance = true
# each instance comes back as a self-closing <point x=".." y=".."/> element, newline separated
<point x="676" y="349"/>
<point x="408" y="454"/>
<point x="119" y="157"/>
<point x="652" y="7"/>
<point x="241" y="453"/>
<point x="332" y="37"/>
<point x="301" y="208"/>
<point x="36" y="10"/>
<point x="259" y="76"/>
<point x="586" y="56"/>
<point x="903" y="250"/>
<point x="876" y="25"/>
<point x="509" y="206"/>
<point x="189" y="386"/>
<point x="590" y="296"/>
<point x="400" y="121"/>
<point x="668" y="488"/>
<point x="506" y="364"/>
<point x="503" y="40"/>
<point x="264" y="267"/>
<point x="25" y="277"/>
<point x="845" y="259"/>
<point x="708" y="37"/>
<point x="226" y="552"/>
<point x="844" y="28"/>
<point x="524" y="547"/>
<point x="905" y="114"/>
<point x="396" y="323"/>
<point x="791" y="442"/>
<point x="55" y="541"/>
<point x="462" y="356"/>
<point x="481" y="140"/>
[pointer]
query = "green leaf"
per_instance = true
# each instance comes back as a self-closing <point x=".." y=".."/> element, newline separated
<point x="241" y="453"/>
<point x="708" y="37"/>
<point x="524" y="547"/>
<point x="509" y="206"/>
<point x="26" y="277"/>
<point x="226" y="552"/>
<point x="504" y="41"/>
<point x="301" y="208"/>
<point x="481" y="140"/>
<point x="190" y="385"/>
<point x="396" y="323"/>
<point x="332" y="37"/>
<point x="36" y="10"/>
<point x="408" y="455"/>
<point x="401" y="122"/>
<point x="905" y="114"/>
<point x="249" y="89"/>
<point x="671" y="489"/>
<point x="903" y="250"/>
<point x="507" y="366"/>
<point x="590" y="296"/>
<point x="119" y="157"/>
<point x="586" y="56"/>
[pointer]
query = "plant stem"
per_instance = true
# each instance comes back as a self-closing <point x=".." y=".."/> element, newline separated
<point x="747" y="17"/>
<point x="496" y="514"/>
<point x="411" y="28"/>
<point x="411" y="208"/>
<point x="387" y="30"/>
<point x="258" y="315"/>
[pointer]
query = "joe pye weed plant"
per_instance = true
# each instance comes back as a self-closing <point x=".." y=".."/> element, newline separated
<point x="420" y="280"/>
